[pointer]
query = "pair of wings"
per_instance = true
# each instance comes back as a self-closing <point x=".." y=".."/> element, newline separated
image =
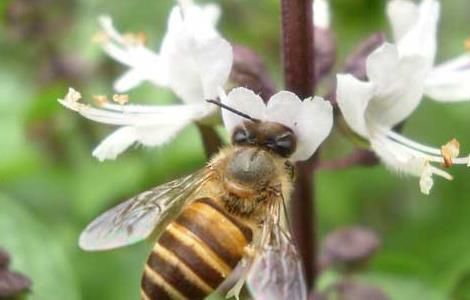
<point x="275" y="273"/>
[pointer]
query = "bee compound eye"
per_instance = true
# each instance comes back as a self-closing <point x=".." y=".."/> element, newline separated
<point x="242" y="136"/>
<point x="285" y="145"/>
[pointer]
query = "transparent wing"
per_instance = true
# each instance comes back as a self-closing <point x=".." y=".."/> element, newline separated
<point x="276" y="272"/>
<point x="136" y="218"/>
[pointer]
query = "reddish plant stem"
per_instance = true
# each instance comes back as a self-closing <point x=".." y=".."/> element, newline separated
<point x="210" y="140"/>
<point x="298" y="58"/>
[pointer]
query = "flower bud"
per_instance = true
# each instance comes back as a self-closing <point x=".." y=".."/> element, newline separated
<point x="350" y="248"/>
<point x="325" y="52"/>
<point x="4" y="260"/>
<point x="250" y="72"/>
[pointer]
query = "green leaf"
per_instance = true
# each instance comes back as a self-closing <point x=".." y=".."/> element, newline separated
<point x="36" y="253"/>
<point x="403" y="287"/>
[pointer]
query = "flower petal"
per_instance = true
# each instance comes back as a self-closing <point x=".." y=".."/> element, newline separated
<point x="128" y="81"/>
<point x="132" y="115"/>
<point x="206" y="16"/>
<point x="243" y="100"/>
<point x="449" y="86"/>
<point x="143" y="62"/>
<point x="200" y="59"/>
<point x="399" y="85"/>
<point x="124" y="137"/>
<point x="115" y="143"/>
<point x="199" y="67"/>
<point x="404" y="160"/>
<point x="450" y="80"/>
<point x="382" y="65"/>
<point x="321" y="14"/>
<point x="458" y="63"/>
<point x="215" y="63"/>
<point x="402" y="15"/>
<point x="421" y="39"/>
<point x="353" y="97"/>
<point x="311" y="120"/>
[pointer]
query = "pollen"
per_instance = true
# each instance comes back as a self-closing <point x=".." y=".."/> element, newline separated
<point x="100" y="100"/>
<point x="450" y="151"/>
<point x="135" y="39"/>
<point x="121" y="99"/>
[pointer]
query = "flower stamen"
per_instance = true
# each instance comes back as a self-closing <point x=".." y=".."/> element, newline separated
<point x="101" y="100"/>
<point x="450" y="151"/>
<point x="72" y="96"/>
<point x="121" y="99"/>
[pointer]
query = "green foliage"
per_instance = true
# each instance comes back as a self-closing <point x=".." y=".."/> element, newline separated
<point x="37" y="252"/>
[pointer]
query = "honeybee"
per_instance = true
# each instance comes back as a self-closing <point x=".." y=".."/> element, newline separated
<point x="229" y="215"/>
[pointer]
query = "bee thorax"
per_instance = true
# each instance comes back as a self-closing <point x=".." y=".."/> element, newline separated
<point x="248" y="174"/>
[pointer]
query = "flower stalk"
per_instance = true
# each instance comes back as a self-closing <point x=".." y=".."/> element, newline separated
<point x="210" y="140"/>
<point x="298" y="59"/>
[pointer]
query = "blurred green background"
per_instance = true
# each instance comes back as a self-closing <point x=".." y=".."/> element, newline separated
<point x="51" y="186"/>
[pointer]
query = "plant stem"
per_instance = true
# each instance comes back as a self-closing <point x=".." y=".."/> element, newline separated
<point x="298" y="58"/>
<point x="210" y="140"/>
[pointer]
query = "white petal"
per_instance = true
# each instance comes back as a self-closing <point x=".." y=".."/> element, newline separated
<point x="106" y="23"/>
<point x="116" y="143"/>
<point x="123" y="138"/>
<point x="310" y="119"/>
<point x="450" y="80"/>
<point x="208" y="13"/>
<point x="199" y="67"/>
<point x="245" y="101"/>
<point x="449" y="86"/>
<point x="421" y="39"/>
<point x="405" y="161"/>
<point x="212" y="13"/>
<point x="174" y="25"/>
<point x="143" y="62"/>
<point x="399" y="85"/>
<point x="215" y="63"/>
<point x="396" y="157"/>
<point x="321" y="13"/>
<point x="200" y="59"/>
<point x="128" y="81"/>
<point x="382" y="64"/>
<point x="201" y="19"/>
<point x="353" y="97"/>
<point x="458" y="63"/>
<point x="284" y="107"/>
<point x="403" y="15"/>
<point x="131" y="115"/>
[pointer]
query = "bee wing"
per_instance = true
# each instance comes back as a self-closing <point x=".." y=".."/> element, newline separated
<point x="136" y="218"/>
<point x="276" y="272"/>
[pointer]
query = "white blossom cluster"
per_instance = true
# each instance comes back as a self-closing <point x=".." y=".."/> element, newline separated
<point x="194" y="62"/>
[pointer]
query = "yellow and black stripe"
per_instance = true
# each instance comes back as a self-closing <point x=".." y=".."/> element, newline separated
<point x="196" y="252"/>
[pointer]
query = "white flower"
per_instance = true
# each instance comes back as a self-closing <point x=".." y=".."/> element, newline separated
<point x="194" y="62"/>
<point x="415" y="30"/>
<point x="311" y="119"/>
<point x="373" y="108"/>
<point x="321" y="14"/>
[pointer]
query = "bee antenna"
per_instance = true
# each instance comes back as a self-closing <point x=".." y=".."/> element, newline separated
<point x="233" y="110"/>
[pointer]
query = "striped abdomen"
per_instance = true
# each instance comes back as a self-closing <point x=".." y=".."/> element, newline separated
<point x="196" y="252"/>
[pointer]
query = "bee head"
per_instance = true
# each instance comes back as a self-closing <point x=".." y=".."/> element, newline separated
<point x="271" y="136"/>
